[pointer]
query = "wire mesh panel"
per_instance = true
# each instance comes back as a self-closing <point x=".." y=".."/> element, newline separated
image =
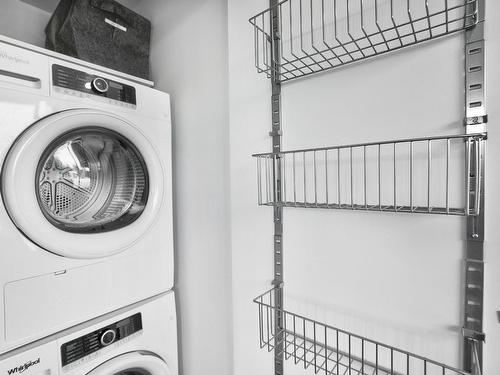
<point x="317" y="35"/>
<point x="333" y="351"/>
<point x="435" y="175"/>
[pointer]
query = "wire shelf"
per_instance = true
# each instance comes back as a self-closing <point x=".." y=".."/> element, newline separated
<point x="433" y="175"/>
<point x="318" y="35"/>
<point x="333" y="351"/>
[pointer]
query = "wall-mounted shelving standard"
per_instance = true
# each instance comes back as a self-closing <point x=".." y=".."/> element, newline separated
<point x="318" y="35"/>
<point x="297" y="38"/>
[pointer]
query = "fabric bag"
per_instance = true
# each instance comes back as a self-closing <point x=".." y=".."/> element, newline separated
<point x="102" y="32"/>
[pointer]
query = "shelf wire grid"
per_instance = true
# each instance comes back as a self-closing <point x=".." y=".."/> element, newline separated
<point x="318" y="35"/>
<point x="433" y="175"/>
<point x="333" y="351"/>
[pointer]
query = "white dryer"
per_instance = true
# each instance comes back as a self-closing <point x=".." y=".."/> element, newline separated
<point x="141" y="340"/>
<point x="86" y="213"/>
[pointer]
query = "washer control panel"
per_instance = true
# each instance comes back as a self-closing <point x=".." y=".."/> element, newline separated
<point x="78" y="83"/>
<point x="84" y="346"/>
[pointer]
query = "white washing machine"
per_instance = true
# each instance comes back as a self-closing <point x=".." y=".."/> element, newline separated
<point x="86" y="213"/>
<point x="141" y="340"/>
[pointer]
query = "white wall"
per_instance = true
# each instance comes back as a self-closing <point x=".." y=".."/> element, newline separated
<point x="189" y="61"/>
<point x="23" y="22"/>
<point x="393" y="277"/>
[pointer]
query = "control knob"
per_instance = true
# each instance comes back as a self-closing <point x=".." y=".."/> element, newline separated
<point x="100" y="85"/>
<point x="108" y="337"/>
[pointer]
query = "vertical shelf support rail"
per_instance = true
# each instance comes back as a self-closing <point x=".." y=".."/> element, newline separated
<point x="276" y="134"/>
<point x="475" y="122"/>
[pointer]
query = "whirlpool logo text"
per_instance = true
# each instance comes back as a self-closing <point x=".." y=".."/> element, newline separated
<point x="6" y="56"/>
<point x="20" y="369"/>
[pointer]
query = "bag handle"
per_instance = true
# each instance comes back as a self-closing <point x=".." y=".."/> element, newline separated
<point x="112" y="8"/>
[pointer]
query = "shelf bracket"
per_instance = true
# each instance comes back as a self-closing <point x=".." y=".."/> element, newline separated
<point x="276" y="135"/>
<point x="475" y="122"/>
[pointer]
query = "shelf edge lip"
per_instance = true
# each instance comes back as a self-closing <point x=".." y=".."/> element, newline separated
<point x="420" y="210"/>
<point x="481" y="135"/>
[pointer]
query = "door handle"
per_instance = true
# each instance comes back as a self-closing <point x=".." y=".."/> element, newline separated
<point x="20" y="79"/>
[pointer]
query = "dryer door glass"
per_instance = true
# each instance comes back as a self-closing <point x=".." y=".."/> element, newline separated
<point x="91" y="180"/>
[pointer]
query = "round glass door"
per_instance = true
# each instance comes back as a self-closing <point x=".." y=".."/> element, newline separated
<point x="91" y="180"/>
<point x="83" y="183"/>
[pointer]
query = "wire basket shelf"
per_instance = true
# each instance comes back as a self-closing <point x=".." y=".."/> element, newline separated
<point x="333" y="351"/>
<point x="318" y="35"/>
<point x="433" y="175"/>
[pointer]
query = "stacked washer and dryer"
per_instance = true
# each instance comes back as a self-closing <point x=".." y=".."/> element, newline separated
<point x="86" y="247"/>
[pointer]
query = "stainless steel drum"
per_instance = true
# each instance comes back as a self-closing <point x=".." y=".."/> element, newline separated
<point x="91" y="180"/>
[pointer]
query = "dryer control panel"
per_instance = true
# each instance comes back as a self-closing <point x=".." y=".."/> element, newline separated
<point x="78" y="83"/>
<point x="78" y="349"/>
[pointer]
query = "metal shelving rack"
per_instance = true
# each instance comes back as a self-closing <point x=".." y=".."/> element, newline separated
<point x="397" y="176"/>
<point x="297" y="38"/>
